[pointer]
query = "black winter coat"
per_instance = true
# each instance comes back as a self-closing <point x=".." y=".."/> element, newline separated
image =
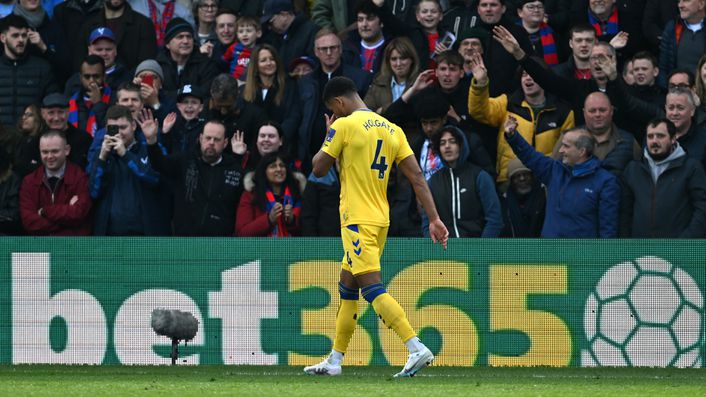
<point x="10" y="205"/>
<point x="199" y="70"/>
<point x="205" y="196"/>
<point x="136" y="41"/>
<point x="674" y="207"/>
<point x="70" y="15"/>
<point x="23" y="82"/>
<point x="299" y="40"/>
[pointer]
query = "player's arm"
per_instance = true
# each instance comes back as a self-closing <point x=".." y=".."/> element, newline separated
<point x="411" y="170"/>
<point x="321" y="163"/>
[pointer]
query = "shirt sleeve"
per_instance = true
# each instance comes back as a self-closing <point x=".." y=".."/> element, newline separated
<point x="405" y="150"/>
<point x="335" y="139"/>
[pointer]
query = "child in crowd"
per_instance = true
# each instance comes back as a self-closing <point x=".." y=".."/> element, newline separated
<point x="237" y="56"/>
<point x="180" y="132"/>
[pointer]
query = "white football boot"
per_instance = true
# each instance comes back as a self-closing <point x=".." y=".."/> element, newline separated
<point x="324" y="368"/>
<point x="415" y="362"/>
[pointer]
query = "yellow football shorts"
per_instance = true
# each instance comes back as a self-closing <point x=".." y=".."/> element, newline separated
<point x="362" y="246"/>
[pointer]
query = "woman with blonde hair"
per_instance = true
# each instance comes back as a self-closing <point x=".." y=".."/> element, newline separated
<point x="700" y="86"/>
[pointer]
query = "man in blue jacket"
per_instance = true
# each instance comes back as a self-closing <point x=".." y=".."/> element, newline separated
<point x="127" y="192"/>
<point x="582" y="197"/>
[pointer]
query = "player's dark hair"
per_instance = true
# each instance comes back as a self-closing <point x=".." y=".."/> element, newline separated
<point x="339" y="86"/>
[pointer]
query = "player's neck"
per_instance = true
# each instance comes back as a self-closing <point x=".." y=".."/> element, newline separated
<point x="358" y="104"/>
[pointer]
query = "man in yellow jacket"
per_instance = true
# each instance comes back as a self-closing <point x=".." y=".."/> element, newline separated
<point x="541" y="118"/>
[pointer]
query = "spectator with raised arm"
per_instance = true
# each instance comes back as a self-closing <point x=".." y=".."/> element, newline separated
<point x="207" y="183"/>
<point x="541" y="117"/>
<point x="582" y="197"/>
<point x="181" y="130"/>
<point x="125" y="188"/>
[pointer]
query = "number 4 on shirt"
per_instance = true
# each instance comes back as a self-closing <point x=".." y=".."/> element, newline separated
<point x="379" y="163"/>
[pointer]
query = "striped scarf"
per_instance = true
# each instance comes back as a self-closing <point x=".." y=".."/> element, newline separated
<point x="279" y="229"/>
<point x="546" y="37"/>
<point x="548" y="45"/>
<point x="611" y="27"/>
<point x="160" y="27"/>
<point x="91" y="126"/>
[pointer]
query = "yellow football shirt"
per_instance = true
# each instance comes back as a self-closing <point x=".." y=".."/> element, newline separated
<point x="366" y="145"/>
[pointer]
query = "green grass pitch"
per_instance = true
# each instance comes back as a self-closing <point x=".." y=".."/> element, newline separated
<point x="115" y="381"/>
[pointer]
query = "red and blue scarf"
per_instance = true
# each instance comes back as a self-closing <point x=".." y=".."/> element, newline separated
<point x="546" y="37"/>
<point x="611" y="27"/>
<point x="279" y="229"/>
<point x="548" y="44"/>
<point x="160" y="27"/>
<point x="91" y="126"/>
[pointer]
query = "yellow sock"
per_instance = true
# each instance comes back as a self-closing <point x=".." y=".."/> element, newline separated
<point x="346" y="320"/>
<point x="393" y="316"/>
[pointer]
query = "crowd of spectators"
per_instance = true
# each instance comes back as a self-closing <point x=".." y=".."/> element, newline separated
<point x="528" y="118"/>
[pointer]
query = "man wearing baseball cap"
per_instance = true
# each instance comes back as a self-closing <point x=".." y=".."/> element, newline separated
<point x="55" y="113"/>
<point x="182" y="128"/>
<point x="101" y="42"/>
<point x="301" y="66"/>
<point x="181" y="62"/>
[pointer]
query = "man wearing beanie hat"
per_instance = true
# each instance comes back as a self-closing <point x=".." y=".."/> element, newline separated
<point x="524" y="203"/>
<point x="135" y="37"/>
<point x="471" y="41"/>
<point x="161" y="13"/>
<point x="149" y="77"/>
<point x="181" y="62"/>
